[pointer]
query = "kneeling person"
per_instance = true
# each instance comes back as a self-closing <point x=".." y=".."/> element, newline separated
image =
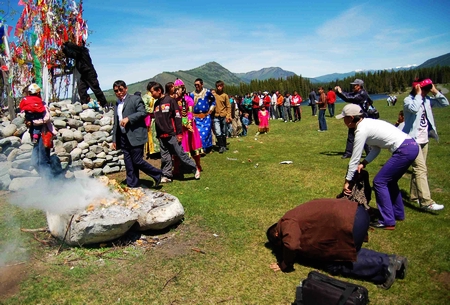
<point x="330" y="232"/>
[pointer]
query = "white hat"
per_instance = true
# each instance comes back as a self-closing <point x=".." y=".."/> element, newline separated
<point x="350" y="110"/>
<point x="34" y="88"/>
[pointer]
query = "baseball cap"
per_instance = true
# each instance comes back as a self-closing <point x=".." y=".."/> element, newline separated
<point x="34" y="88"/>
<point x="350" y="110"/>
<point x="357" y="82"/>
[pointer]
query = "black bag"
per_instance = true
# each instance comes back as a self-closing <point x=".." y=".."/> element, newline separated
<point x="320" y="289"/>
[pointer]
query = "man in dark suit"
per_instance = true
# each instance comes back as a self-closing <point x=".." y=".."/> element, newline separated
<point x="329" y="233"/>
<point x="130" y="134"/>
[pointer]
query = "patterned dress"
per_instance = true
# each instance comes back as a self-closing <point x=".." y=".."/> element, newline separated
<point x="152" y="146"/>
<point x="191" y="142"/>
<point x="263" y="121"/>
<point x="204" y="101"/>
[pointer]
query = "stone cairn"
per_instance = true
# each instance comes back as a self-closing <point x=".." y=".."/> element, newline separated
<point x="83" y="145"/>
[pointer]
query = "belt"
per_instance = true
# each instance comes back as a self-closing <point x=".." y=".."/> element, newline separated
<point x="201" y="115"/>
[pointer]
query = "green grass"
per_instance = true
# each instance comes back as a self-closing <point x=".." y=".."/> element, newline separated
<point x="238" y="201"/>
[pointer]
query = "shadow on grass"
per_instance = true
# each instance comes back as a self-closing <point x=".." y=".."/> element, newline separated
<point x="414" y="205"/>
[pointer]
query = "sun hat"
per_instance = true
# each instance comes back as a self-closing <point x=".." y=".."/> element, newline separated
<point x="178" y="83"/>
<point x="34" y="88"/>
<point x="350" y="110"/>
<point x="357" y="82"/>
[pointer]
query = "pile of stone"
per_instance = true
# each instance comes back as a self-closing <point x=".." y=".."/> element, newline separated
<point x="83" y="144"/>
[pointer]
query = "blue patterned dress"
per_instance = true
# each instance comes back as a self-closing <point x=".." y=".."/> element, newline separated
<point x="204" y="101"/>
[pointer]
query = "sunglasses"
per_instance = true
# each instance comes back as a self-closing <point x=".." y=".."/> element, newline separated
<point x="119" y="90"/>
<point x="197" y="85"/>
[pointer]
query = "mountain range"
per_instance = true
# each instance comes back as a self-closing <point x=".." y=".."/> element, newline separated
<point x="212" y="71"/>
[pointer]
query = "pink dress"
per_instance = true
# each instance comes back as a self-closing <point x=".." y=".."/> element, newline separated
<point x="263" y="121"/>
<point x="191" y="142"/>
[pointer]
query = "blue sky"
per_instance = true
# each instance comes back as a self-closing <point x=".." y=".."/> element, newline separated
<point x="135" y="40"/>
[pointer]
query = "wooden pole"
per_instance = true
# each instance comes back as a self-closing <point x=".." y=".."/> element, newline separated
<point x="11" y="106"/>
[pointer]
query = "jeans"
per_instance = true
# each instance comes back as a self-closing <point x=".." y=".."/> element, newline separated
<point x="387" y="192"/>
<point x="220" y="126"/>
<point x="287" y="113"/>
<point x="322" y="121"/>
<point x="331" y="108"/>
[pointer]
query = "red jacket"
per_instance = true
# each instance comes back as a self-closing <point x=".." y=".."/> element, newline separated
<point x="267" y="101"/>
<point x="331" y="97"/>
<point x="296" y="100"/>
<point x="255" y="102"/>
<point x="32" y="103"/>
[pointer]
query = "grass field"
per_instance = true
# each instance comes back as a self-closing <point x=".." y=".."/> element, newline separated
<point x="227" y="213"/>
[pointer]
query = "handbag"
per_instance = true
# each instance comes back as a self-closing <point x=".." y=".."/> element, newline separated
<point x="320" y="289"/>
<point x="47" y="138"/>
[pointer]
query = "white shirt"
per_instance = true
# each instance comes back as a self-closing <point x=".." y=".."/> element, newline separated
<point x="377" y="134"/>
<point x="120" y="104"/>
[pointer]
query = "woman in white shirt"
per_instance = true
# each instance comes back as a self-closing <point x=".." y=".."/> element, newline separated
<point x="379" y="134"/>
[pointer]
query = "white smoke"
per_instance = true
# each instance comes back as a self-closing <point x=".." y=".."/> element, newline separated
<point x="62" y="196"/>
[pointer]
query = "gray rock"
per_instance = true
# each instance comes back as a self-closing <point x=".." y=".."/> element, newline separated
<point x="105" y="121"/>
<point x="22" y="183"/>
<point x="78" y="136"/>
<point x="160" y="212"/>
<point x="19" y="121"/>
<point x="96" y="149"/>
<point x="97" y="172"/>
<point x="26" y="138"/>
<point x="83" y="145"/>
<point x="74" y="123"/>
<point x="92" y="227"/>
<point x="5" y="180"/>
<point x="92" y="128"/>
<point x="87" y="163"/>
<point x="24" y="155"/>
<point x="67" y="134"/>
<point x="106" y="128"/>
<point x="3" y="158"/>
<point x="91" y="155"/>
<point x="13" y="154"/>
<point x="16" y="173"/>
<point x="8" y="131"/>
<point x="59" y="123"/>
<point x="101" y="155"/>
<point x="88" y="115"/>
<point x="98" y="163"/>
<point x="69" y="146"/>
<point x="26" y="147"/>
<point x="75" y="154"/>
<point x="21" y="164"/>
<point x="109" y="170"/>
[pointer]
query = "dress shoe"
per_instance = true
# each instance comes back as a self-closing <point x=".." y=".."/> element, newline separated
<point x="157" y="181"/>
<point x="345" y="156"/>
<point x="394" y="265"/>
<point x="379" y="225"/>
<point x="402" y="266"/>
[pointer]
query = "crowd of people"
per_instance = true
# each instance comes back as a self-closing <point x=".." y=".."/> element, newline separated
<point x="183" y="126"/>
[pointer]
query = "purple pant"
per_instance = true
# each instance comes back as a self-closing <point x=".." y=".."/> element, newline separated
<point x="387" y="192"/>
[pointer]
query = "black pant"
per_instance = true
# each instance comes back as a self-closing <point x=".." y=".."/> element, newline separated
<point x="134" y="161"/>
<point x="89" y="80"/>
<point x="350" y="141"/>
<point x="255" y="115"/>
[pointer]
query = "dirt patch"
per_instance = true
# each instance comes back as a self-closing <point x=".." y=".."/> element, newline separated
<point x="10" y="279"/>
<point x="443" y="278"/>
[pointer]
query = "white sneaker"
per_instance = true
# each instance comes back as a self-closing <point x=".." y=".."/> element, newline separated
<point x="165" y="180"/>
<point x="434" y="207"/>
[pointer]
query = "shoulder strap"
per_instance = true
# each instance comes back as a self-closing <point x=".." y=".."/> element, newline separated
<point x="347" y="293"/>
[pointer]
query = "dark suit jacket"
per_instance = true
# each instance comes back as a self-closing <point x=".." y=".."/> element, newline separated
<point x="320" y="229"/>
<point x="136" y="131"/>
